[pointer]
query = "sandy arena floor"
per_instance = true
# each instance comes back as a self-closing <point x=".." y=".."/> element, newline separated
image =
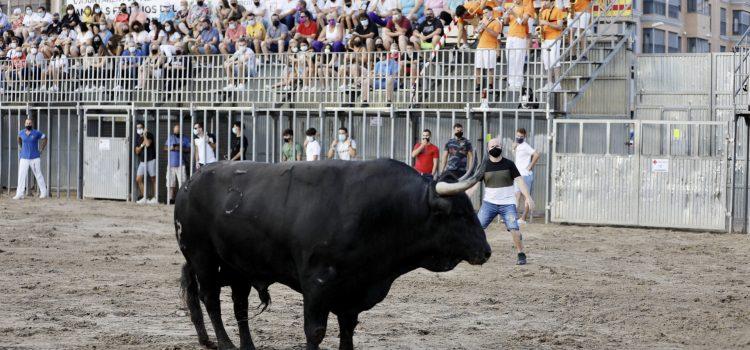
<point x="87" y="274"/>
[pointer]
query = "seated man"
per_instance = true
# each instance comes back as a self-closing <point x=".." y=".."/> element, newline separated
<point x="428" y="32"/>
<point x="233" y="33"/>
<point x="366" y="31"/>
<point x="277" y="36"/>
<point x="239" y="66"/>
<point x="307" y="29"/>
<point x="255" y="31"/>
<point x="208" y="40"/>
<point x="386" y="74"/>
<point x="397" y="30"/>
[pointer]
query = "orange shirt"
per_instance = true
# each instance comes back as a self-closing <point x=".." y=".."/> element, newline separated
<point x="551" y="15"/>
<point x="474" y="10"/>
<point x="529" y="6"/>
<point x="487" y="41"/>
<point x="519" y="30"/>
<point x="582" y="5"/>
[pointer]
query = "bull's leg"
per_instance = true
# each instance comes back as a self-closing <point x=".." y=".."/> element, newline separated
<point x="210" y="290"/>
<point x="316" y="318"/>
<point x="347" y="322"/>
<point x="240" y="293"/>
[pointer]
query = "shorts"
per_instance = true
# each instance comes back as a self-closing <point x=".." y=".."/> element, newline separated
<point x="550" y="53"/>
<point x="381" y="84"/>
<point x="485" y="59"/>
<point x="531" y="25"/>
<point x="426" y="45"/>
<point x="274" y="46"/>
<point x="528" y="180"/>
<point x="489" y="211"/>
<point x="583" y="22"/>
<point x="202" y="50"/>
<point x="147" y="167"/>
<point x="176" y="176"/>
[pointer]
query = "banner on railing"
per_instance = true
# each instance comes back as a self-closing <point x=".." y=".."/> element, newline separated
<point x="112" y="7"/>
<point x="622" y="8"/>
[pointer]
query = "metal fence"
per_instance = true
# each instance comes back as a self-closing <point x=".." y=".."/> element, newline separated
<point x="443" y="79"/>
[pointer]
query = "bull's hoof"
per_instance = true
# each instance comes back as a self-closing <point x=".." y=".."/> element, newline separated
<point x="208" y="344"/>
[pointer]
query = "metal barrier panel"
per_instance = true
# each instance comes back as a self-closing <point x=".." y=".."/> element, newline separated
<point x="640" y="173"/>
<point x="106" y="154"/>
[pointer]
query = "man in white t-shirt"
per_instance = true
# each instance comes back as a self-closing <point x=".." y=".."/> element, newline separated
<point x="343" y="147"/>
<point x="526" y="159"/>
<point x="312" y="146"/>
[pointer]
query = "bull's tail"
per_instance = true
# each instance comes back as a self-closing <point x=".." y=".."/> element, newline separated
<point x="189" y="293"/>
<point x="263" y="295"/>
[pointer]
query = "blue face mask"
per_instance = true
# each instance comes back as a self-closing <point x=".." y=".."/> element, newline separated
<point x="519" y="140"/>
<point x="342" y="137"/>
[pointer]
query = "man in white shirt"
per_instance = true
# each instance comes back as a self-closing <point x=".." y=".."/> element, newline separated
<point x="343" y="147"/>
<point x="312" y="146"/>
<point x="526" y="159"/>
<point x="380" y="10"/>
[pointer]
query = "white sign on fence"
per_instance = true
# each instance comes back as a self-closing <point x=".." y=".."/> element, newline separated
<point x="152" y="7"/>
<point x="104" y="145"/>
<point x="660" y="165"/>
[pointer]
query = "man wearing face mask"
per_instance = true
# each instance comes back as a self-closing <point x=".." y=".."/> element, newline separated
<point x="204" y="146"/>
<point x="261" y="11"/>
<point x="526" y="159"/>
<point x="367" y="31"/>
<point x="343" y="147"/>
<point x="307" y="29"/>
<point x="208" y="40"/>
<point x="500" y="175"/>
<point x="231" y="35"/>
<point x="197" y="14"/>
<point x="55" y="27"/>
<point x="31" y="144"/>
<point x="237" y="66"/>
<point x="312" y="146"/>
<point x="397" y="31"/>
<point x="145" y="150"/>
<point x="428" y="32"/>
<point x="178" y="146"/>
<point x="458" y="155"/>
<point x="290" y="150"/>
<point x="239" y="142"/>
<point x="276" y="36"/>
<point x="255" y="32"/>
<point x="426" y="156"/>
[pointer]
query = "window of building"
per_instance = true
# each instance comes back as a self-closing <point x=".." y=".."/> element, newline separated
<point x="698" y="45"/>
<point x="654" y="41"/>
<point x="723" y="19"/>
<point x="740" y="22"/>
<point x="675" y="43"/>
<point x="698" y="6"/>
<point x="674" y="8"/>
<point x="655" y="7"/>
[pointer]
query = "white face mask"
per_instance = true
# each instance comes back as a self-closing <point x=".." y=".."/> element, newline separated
<point x="195" y="132"/>
<point x="236" y="130"/>
<point x="327" y="50"/>
<point x="303" y="48"/>
<point x="167" y="28"/>
<point x="131" y="49"/>
<point x="294" y="49"/>
<point x="12" y="45"/>
<point x="98" y="11"/>
<point x="70" y="12"/>
<point x="365" y="22"/>
<point x="251" y="22"/>
<point x="139" y="131"/>
<point x="241" y="48"/>
<point x="29" y="12"/>
<point x="232" y="26"/>
<point x="33" y="51"/>
<point x="102" y="27"/>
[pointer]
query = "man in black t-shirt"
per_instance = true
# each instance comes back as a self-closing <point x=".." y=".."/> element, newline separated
<point x="238" y="152"/>
<point x="367" y="31"/>
<point x="428" y="32"/>
<point x="499" y="194"/>
<point x="145" y="151"/>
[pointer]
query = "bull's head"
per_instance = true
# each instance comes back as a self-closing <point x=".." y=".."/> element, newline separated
<point x="456" y="225"/>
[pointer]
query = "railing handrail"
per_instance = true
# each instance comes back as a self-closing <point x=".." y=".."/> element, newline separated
<point x="742" y="38"/>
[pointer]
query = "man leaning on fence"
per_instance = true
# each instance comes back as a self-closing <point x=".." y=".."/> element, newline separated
<point x="178" y="146"/>
<point x="291" y="150"/>
<point x="458" y="153"/>
<point x="145" y="150"/>
<point x="29" y="156"/>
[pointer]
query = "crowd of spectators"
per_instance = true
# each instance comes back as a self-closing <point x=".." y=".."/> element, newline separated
<point x="37" y="45"/>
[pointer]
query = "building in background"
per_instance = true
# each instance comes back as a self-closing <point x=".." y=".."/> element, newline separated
<point x="675" y="26"/>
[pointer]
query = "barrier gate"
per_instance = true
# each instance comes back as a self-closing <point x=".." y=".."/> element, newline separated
<point x="640" y="173"/>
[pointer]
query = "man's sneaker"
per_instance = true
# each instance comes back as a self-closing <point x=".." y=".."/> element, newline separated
<point x="43" y="195"/>
<point x="240" y="86"/>
<point x="521" y="259"/>
<point x="142" y="201"/>
<point x="229" y="87"/>
<point x="464" y="47"/>
<point x="18" y="196"/>
<point x="521" y="222"/>
<point x="152" y="201"/>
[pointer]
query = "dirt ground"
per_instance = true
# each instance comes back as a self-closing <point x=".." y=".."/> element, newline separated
<point x="99" y="274"/>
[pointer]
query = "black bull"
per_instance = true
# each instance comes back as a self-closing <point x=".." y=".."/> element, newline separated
<point x="338" y="232"/>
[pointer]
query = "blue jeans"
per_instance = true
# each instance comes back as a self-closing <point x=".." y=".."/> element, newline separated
<point x="528" y="180"/>
<point x="508" y="212"/>
<point x="429" y="177"/>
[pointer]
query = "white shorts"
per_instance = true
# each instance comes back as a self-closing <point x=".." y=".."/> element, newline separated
<point x="531" y="24"/>
<point x="176" y="176"/>
<point x="485" y="59"/>
<point x="584" y="21"/>
<point x="550" y="56"/>
<point x="148" y="167"/>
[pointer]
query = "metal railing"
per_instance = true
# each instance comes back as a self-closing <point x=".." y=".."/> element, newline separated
<point x="362" y="79"/>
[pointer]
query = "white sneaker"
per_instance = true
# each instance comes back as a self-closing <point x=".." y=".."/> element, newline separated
<point x="152" y="201"/>
<point x="305" y="88"/>
<point x="521" y="222"/>
<point x="343" y="87"/>
<point x="557" y="87"/>
<point x="18" y="196"/>
<point x="43" y="195"/>
<point x="43" y="89"/>
<point x="142" y="200"/>
<point x="464" y="47"/>
<point x="240" y="86"/>
<point x="229" y="87"/>
<point x="118" y="88"/>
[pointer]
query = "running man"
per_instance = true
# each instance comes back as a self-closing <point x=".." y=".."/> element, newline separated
<point x="499" y="194"/>
<point x="29" y="156"/>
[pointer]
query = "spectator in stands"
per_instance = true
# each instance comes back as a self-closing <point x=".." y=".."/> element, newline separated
<point x="87" y="15"/>
<point x="485" y="58"/>
<point x="35" y="65"/>
<point x="397" y="30"/>
<point x="145" y="150"/>
<point x="386" y="73"/>
<point x="236" y="12"/>
<point x="426" y="156"/>
<point x="129" y="64"/>
<point x="325" y="10"/>
<point x="58" y="68"/>
<point x="180" y="18"/>
<point x="307" y="29"/>
<point x="458" y="155"/>
<point x="526" y="159"/>
<point x="255" y="31"/>
<point x="54" y="27"/>
<point x="178" y="146"/>
<point x="140" y="36"/>
<point x="36" y="22"/>
<point x="517" y="43"/>
<point x="581" y="8"/>
<point x="150" y="68"/>
<point x="31" y="144"/>
<point x="239" y="66"/>
<point x="327" y="68"/>
<point x="470" y="13"/>
<point x="366" y="31"/>
<point x="174" y="39"/>
<point x="353" y="73"/>
<point x="293" y="68"/>
<point x="122" y="23"/>
<point x="380" y="11"/>
<point x="438" y="7"/>
<point x="286" y="9"/>
<point x="204" y="146"/>
<point x="412" y="9"/>
<point x="332" y="34"/>
<point x="239" y="142"/>
<point x="4" y="22"/>
<point x="167" y="13"/>
<point x="99" y="17"/>
<point x="261" y="11"/>
<point x="347" y="14"/>
<point x="70" y="16"/>
<point x="137" y="14"/>
<point x="197" y="15"/>
<point x="312" y="146"/>
<point x="343" y="147"/>
<point x="551" y="20"/>
<point x="233" y="33"/>
<point x="428" y="32"/>
<point x="208" y="40"/>
<point x="276" y="37"/>
<point x="16" y="21"/>
<point x="290" y="150"/>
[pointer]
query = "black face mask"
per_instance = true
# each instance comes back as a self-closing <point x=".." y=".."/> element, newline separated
<point x="287" y="139"/>
<point x="496" y="152"/>
<point x="276" y="23"/>
<point x="460" y="134"/>
<point x="28" y="127"/>
<point x="176" y="133"/>
<point x="200" y="3"/>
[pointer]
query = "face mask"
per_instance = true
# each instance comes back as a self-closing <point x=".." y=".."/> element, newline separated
<point x="327" y="50"/>
<point x="496" y="152"/>
<point x="167" y="28"/>
<point x="294" y="49"/>
<point x="33" y="51"/>
<point x="134" y="9"/>
<point x="430" y="17"/>
<point x="139" y="131"/>
<point x="131" y="49"/>
<point x="396" y="18"/>
<point x="519" y="140"/>
<point x="256" y="3"/>
<point x="251" y="22"/>
<point x="153" y="52"/>
<point x="98" y="11"/>
<point x="309" y="138"/>
<point x="70" y="12"/>
<point x="426" y="138"/>
<point x="102" y="27"/>
<point x="236" y="130"/>
<point x="87" y="12"/>
<point x="342" y="137"/>
<point x="348" y="4"/>
<point x="241" y="48"/>
<point x="28" y="127"/>
<point x="303" y="48"/>
<point x="331" y="22"/>
<point x="459" y="134"/>
<point x="90" y="54"/>
<point x="32" y="34"/>
<point x="200" y="3"/>
<point x="12" y="45"/>
<point x="232" y="26"/>
<point x="123" y="10"/>
<point x="29" y="12"/>
<point x="195" y="132"/>
<point x="287" y="139"/>
<point x="176" y="133"/>
<point x="276" y="23"/>
<point x="97" y="40"/>
<point x="365" y="22"/>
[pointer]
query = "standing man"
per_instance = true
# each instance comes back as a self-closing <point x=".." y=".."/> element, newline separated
<point x="499" y="176"/>
<point x="343" y="146"/>
<point x="145" y="150"/>
<point x="204" y="146"/>
<point x="458" y="154"/>
<point x="312" y="146"/>
<point x="426" y="156"/>
<point x="178" y="146"/>
<point x="488" y="30"/>
<point x="30" y="152"/>
<point x="551" y="20"/>
<point x="239" y="142"/>
<point x="526" y="159"/>
<point x="517" y="43"/>
<point x="290" y="150"/>
<point x="582" y="8"/>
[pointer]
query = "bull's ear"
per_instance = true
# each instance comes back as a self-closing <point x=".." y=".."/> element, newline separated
<point x="438" y="205"/>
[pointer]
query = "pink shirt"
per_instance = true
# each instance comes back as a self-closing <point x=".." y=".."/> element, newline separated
<point x="437" y="6"/>
<point x="234" y="34"/>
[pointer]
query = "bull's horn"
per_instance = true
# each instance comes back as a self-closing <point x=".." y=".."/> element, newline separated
<point x="451" y="189"/>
